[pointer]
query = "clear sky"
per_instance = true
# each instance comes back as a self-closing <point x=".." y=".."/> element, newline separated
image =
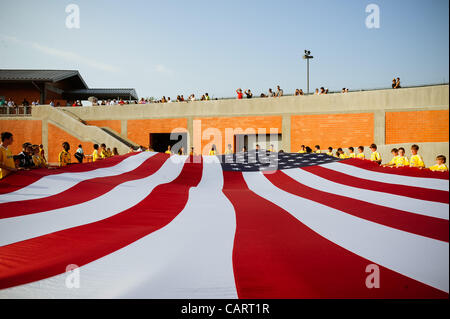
<point x="183" y="47"/>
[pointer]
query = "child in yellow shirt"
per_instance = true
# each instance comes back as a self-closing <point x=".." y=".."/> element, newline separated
<point x="96" y="155"/>
<point x="317" y="149"/>
<point x="393" y="161"/>
<point x="302" y="149"/>
<point x="103" y="152"/>
<point x="341" y="153"/>
<point x="64" y="155"/>
<point x="440" y="164"/>
<point x="416" y="160"/>
<point x="330" y="151"/>
<point x="37" y="159"/>
<point x="213" y="149"/>
<point x="375" y="156"/>
<point x="169" y="150"/>
<point x="351" y="152"/>
<point x="7" y="164"/>
<point x="361" y="153"/>
<point x="402" y="160"/>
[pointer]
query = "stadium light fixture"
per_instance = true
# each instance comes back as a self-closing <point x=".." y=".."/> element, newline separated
<point x="307" y="57"/>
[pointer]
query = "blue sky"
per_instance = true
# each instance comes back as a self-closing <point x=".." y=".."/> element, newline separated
<point x="182" y="47"/>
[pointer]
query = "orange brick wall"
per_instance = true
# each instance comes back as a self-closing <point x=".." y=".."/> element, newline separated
<point x="138" y="130"/>
<point x="115" y="125"/>
<point x="335" y="130"/>
<point x="245" y="122"/>
<point x="417" y="126"/>
<point x="56" y="137"/>
<point x="23" y="131"/>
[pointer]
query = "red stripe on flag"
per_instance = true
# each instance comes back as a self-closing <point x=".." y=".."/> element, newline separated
<point x="81" y="192"/>
<point x="24" y="178"/>
<point x="276" y="256"/>
<point x="48" y="255"/>
<point x="405" y="171"/>
<point x="427" y="226"/>
<point x="402" y="190"/>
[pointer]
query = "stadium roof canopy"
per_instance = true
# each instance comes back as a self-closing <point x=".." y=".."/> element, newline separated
<point x="102" y="94"/>
<point x="66" y="84"/>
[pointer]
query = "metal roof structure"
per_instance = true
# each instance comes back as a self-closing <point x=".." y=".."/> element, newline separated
<point x="39" y="75"/>
<point x="71" y="85"/>
<point x="101" y="94"/>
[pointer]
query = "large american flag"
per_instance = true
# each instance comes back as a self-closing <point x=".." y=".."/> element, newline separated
<point x="253" y="225"/>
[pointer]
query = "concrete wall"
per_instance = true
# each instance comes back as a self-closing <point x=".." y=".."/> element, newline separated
<point x="410" y="115"/>
<point x="352" y="118"/>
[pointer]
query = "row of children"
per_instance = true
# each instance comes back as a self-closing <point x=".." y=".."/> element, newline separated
<point x="99" y="153"/>
<point x="399" y="159"/>
<point x="33" y="156"/>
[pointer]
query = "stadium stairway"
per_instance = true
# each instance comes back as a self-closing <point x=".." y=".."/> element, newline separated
<point x="76" y="127"/>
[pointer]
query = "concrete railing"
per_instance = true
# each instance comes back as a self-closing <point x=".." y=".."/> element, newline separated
<point x="364" y="101"/>
<point x="76" y="128"/>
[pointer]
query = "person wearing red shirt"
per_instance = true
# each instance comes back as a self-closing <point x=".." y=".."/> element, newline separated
<point x="239" y="94"/>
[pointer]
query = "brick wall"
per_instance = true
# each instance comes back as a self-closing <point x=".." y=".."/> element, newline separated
<point x="335" y="130"/>
<point x="418" y="126"/>
<point x="23" y="131"/>
<point x="138" y="130"/>
<point x="114" y="125"/>
<point x="249" y="123"/>
<point x="57" y="136"/>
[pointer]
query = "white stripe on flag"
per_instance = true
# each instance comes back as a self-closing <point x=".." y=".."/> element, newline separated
<point x="54" y="184"/>
<point x="408" y="204"/>
<point x="191" y="257"/>
<point x="120" y="198"/>
<point x="421" y="258"/>
<point x="423" y="182"/>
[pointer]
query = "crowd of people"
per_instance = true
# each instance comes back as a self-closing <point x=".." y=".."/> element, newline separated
<point x="399" y="158"/>
<point x="180" y="98"/>
<point x="33" y="155"/>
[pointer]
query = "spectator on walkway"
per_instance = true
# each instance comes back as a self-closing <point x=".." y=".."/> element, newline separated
<point x="239" y="94"/>
<point x="207" y="98"/>
<point x="279" y="91"/>
<point x="248" y="93"/>
<point x="115" y="151"/>
<point x="271" y="93"/>
<point x="316" y="92"/>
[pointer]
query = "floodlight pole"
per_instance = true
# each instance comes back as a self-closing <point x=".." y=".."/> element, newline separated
<point x="307" y="57"/>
